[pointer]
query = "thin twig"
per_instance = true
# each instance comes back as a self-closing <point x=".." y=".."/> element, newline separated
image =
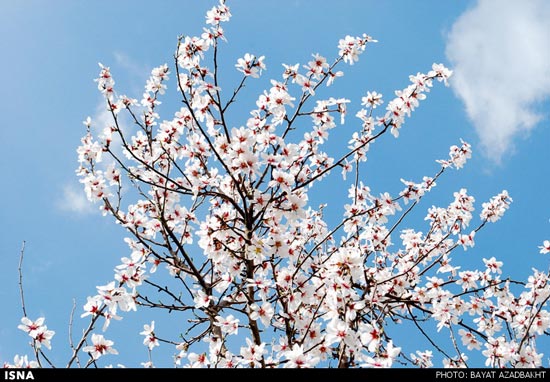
<point x="85" y="334"/>
<point x="20" y="269"/>
<point x="71" y="319"/>
<point x="413" y="317"/>
<point x="46" y="358"/>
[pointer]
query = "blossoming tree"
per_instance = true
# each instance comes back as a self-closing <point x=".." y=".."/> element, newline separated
<point x="260" y="277"/>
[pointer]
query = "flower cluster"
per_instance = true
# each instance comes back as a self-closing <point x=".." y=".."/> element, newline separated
<point x="268" y="256"/>
<point x="100" y="347"/>
<point x="351" y="47"/>
<point x="21" y="362"/>
<point x="408" y="99"/>
<point x="223" y="231"/>
<point x="251" y="65"/>
<point x="37" y="331"/>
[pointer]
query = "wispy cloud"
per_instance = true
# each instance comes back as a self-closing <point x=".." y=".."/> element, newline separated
<point x="73" y="200"/>
<point x="500" y="53"/>
<point x="135" y="72"/>
<point x="126" y="62"/>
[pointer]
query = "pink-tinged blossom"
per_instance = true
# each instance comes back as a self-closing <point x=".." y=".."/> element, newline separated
<point x="281" y="346"/>
<point x="130" y="277"/>
<point x="457" y="156"/>
<point x="89" y="150"/>
<point x="218" y="14"/>
<point x="496" y="207"/>
<point x="150" y="339"/>
<point x="263" y="312"/>
<point x="467" y="240"/>
<point x="228" y="361"/>
<point x="440" y="72"/>
<point x="182" y="354"/>
<point x="298" y="360"/>
<point x="415" y="191"/>
<point x="252" y="353"/>
<point x="281" y="179"/>
<point x="383" y="359"/>
<point x="339" y="332"/>
<point x="333" y="75"/>
<point x="31" y="327"/>
<point x="496" y="352"/>
<point x="105" y="82"/>
<point x="372" y="100"/>
<point x="538" y="281"/>
<point x="92" y="306"/>
<point x="198" y="361"/>
<point x="456" y="362"/>
<point x="493" y="266"/>
<point x="468" y="279"/>
<point x="423" y="359"/>
<point x="43" y="337"/>
<point x="308" y="85"/>
<point x="116" y="298"/>
<point x="351" y="47"/>
<point x="317" y="66"/>
<point x="229" y="325"/>
<point x="291" y="71"/>
<point x="95" y="187"/>
<point x="488" y="325"/>
<point x="528" y="358"/>
<point x="202" y="300"/>
<point x="100" y="347"/>
<point x="37" y="331"/>
<point x="469" y="340"/>
<point x="370" y="337"/>
<point x="434" y="283"/>
<point x="540" y="322"/>
<point x="21" y="362"/>
<point x="251" y="65"/>
<point x="108" y="316"/>
<point x="408" y="99"/>
<point x="460" y="211"/>
<point x="446" y="310"/>
<point x="545" y="247"/>
<point x="389" y="354"/>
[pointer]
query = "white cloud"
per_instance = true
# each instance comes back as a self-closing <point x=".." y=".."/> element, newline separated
<point x="74" y="200"/>
<point x="500" y="54"/>
<point x="126" y="62"/>
<point x="135" y="72"/>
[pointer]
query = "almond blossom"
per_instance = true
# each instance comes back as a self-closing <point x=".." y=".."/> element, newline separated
<point x="37" y="331"/>
<point x="100" y="347"/>
<point x="229" y="227"/>
<point x="150" y="339"/>
<point x="545" y="247"/>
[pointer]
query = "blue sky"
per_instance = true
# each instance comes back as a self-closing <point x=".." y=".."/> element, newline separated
<point x="498" y="102"/>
